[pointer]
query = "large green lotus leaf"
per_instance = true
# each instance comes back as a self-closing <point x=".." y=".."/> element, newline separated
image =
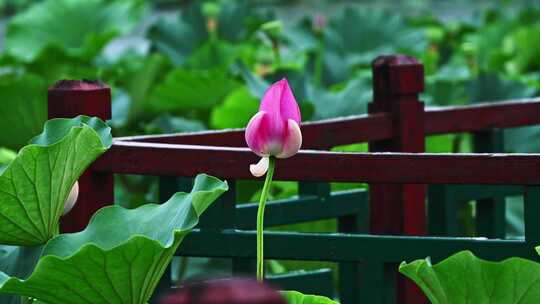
<point x="525" y="52"/>
<point x="35" y="185"/>
<point x="121" y="255"/>
<point x="192" y="90"/>
<point x="6" y="156"/>
<point x="174" y="37"/>
<point x="295" y="297"/>
<point x="178" y="37"/>
<point x="236" y="110"/>
<point x="351" y="100"/>
<point x="347" y="44"/>
<point x="23" y="110"/>
<point x="464" y="278"/>
<point x="167" y="124"/>
<point x="80" y="27"/>
<point x="53" y="64"/>
<point x="136" y="75"/>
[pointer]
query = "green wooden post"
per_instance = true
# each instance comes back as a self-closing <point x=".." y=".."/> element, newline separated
<point x="322" y="190"/>
<point x="445" y="200"/>
<point x="222" y="213"/>
<point x="442" y="211"/>
<point x="531" y="204"/>
<point x="377" y="283"/>
<point x="350" y="273"/>
<point x="490" y="212"/>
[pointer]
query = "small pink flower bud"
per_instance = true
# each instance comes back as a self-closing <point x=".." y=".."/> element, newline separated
<point x="319" y="23"/>
<point x="275" y="129"/>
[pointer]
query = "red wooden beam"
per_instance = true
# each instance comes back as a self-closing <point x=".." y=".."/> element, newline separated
<point x="233" y="163"/>
<point x="316" y="135"/>
<point x="70" y="98"/>
<point x="377" y="126"/>
<point x="515" y="113"/>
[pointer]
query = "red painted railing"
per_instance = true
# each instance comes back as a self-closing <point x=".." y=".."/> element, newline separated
<point x="397" y="123"/>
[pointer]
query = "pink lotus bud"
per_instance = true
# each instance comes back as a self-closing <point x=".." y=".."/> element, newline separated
<point x="319" y="23"/>
<point x="275" y="129"/>
<point x="72" y="198"/>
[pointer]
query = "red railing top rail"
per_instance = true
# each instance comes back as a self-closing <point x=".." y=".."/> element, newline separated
<point x="362" y="128"/>
<point x="309" y="165"/>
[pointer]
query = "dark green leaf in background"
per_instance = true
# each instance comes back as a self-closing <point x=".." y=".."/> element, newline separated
<point x="81" y="28"/>
<point x="356" y="37"/>
<point x="23" y="109"/>
<point x="174" y="38"/>
<point x="192" y="90"/>
<point x="351" y="100"/>
<point x="236" y="111"/>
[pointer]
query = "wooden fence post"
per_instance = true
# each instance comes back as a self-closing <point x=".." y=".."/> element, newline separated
<point x="491" y="212"/>
<point x="399" y="209"/>
<point x="67" y="99"/>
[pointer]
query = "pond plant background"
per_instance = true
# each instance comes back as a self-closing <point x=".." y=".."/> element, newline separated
<point x="177" y="66"/>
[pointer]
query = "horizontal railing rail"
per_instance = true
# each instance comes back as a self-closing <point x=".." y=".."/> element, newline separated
<point x="304" y="209"/>
<point x="378" y="126"/>
<point x="473" y="192"/>
<point x="347" y="247"/>
<point x="410" y="168"/>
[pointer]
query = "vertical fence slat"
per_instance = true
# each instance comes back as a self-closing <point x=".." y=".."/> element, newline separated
<point x="531" y="204"/>
<point x="321" y="190"/>
<point x="443" y="215"/>
<point x="490" y="213"/>
<point x="399" y="209"/>
<point x="241" y="266"/>
<point x="67" y="99"/>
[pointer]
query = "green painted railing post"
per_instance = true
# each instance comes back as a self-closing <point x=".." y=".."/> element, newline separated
<point x="443" y="215"/>
<point x="490" y="212"/>
<point x="350" y="274"/>
<point x="531" y="204"/>
<point x="322" y="190"/>
<point x="222" y="213"/>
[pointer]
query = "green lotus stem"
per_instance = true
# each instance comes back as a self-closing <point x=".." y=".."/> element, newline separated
<point x="319" y="62"/>
<point x="260" y="219"/>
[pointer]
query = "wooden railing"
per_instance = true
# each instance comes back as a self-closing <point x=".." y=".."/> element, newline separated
<point x="377" y="229"/>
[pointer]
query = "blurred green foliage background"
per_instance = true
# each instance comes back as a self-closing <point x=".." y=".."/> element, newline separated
<point x="177" y="66"/>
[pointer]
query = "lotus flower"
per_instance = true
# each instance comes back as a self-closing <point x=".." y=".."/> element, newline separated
<point x="275" y="129"/>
